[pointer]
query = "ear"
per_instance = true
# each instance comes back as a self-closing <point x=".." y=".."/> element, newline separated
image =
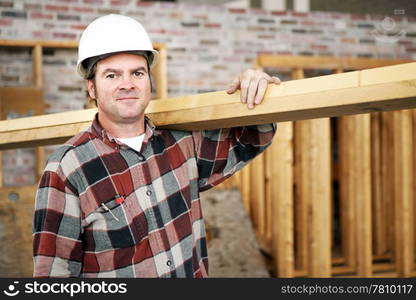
<point x="89" y="84"/>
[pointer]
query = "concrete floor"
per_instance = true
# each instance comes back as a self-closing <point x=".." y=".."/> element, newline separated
<point x="232" y="247"/>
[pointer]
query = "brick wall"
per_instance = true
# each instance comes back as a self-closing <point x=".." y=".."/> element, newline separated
<point x="207" y="45"/>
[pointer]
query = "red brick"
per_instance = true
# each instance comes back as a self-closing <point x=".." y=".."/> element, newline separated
<point x="61" y="8"/>
<point x="237" y="10"/>
<point x="358" y="17"/>
<point x="83" y="9"/>
<point x="279" y="13"/>
<point x="258" y="11"/>
<point x="106" y="11"/>
<point x="307" y="23"/>
<point x="64" y="35"/>
<point x="337" y="16"/>
<point x="40" y="15"/>
<point x="405" y="42"/>
<point x="299" y="14"/>
<point x="212" y="25"/>
<point x="119" y="2"/>
<point x="6" y="22"/>
<point x="39" y="34"/>
<point x="78" y="27"/>
<point x="93" y="1"/>
<point x="144" y="4"/>
<point x="319" y="47"/>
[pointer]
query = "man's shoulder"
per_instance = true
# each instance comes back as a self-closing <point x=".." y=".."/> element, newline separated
<point x="72" y="144"/>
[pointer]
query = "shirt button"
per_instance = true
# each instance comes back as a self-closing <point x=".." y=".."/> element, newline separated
<point x="169" y="263"/>
<point x="148" y="193"/>
<point x="141" y="157"/>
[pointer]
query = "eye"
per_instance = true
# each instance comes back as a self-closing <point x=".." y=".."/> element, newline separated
<point x="138" y="73"/>
<point x="110" y="75"/>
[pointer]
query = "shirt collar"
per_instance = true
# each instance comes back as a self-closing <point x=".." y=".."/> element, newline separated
<point x="101" y="133"/>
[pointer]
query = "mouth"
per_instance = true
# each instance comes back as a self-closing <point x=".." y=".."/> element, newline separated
<point x="126" y="98"/>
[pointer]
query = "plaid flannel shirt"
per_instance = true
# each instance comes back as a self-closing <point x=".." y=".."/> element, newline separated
<point x="105" y="210"/>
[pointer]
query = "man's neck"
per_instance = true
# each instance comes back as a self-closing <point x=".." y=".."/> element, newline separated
<point x="122" y="130"/>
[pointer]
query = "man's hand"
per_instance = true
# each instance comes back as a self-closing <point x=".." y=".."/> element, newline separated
<point x="253" y="85"/>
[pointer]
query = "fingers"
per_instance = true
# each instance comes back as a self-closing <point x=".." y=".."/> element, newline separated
<point x="261" y="90"/>
<point x="235" y="85"/>
<point x="249" y="83"/>
<point x="275" y="80"/>
<point x="253" y="85"/>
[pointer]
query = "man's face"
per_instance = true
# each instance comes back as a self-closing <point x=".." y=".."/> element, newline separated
<point x="122" y="88"/>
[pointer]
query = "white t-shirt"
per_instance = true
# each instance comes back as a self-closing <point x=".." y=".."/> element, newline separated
<point x="133" y="142"/>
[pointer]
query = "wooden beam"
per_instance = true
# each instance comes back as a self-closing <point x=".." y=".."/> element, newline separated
<point x="357" y="92"/>
<point x="324" y="62"/>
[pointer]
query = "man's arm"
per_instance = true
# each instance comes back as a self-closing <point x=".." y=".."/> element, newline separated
<point x="222" y="152"/>
<point x="57" y="248"/>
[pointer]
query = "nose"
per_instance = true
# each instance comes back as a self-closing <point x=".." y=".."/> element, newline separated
<point x="126" y="83"/>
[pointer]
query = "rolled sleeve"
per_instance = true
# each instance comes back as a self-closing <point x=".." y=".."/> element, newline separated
<point x="222" y="152"/>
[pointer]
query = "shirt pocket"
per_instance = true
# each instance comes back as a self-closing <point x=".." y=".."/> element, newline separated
<point x="108" y="227"/>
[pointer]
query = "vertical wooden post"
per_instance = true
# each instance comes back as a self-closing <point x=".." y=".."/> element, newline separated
<point x="261" y="194"/>
<point x="245" y="188"/>
<point x="379" y="215"/>
<point x="387" y="187"/>
<point x="257" y="193"/>
<point x="282" y="200"/>
<point x="318" y="189"/>
<point x="37" y="66"/>
<point x="355" y="187"/>
<point x="268" y="167"/>
<point x="362" y="192"/>
<point x="301" y="214"/>
<point x="38" y="82"/>
<point x="403" y="192"/>
<point x="161" y="74"/>
<point x="347" y="207"/>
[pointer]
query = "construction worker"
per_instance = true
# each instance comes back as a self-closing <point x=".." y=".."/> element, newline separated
<point x="121" y="199"/>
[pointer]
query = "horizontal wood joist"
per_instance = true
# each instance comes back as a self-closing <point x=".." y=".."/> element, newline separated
<point x="372" y="90"/>
<point x="324" y="62"/>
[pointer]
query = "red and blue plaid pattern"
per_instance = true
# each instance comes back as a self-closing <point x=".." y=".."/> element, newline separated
<point x="105" y="210"/>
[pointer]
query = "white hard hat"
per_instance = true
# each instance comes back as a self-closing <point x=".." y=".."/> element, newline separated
<point x="111" y="34"/>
